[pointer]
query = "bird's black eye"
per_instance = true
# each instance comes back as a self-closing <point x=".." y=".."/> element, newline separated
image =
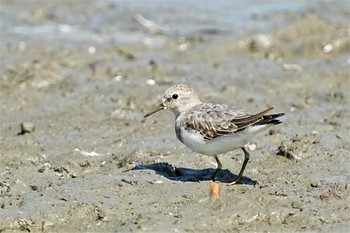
<point x="175" y="96"/>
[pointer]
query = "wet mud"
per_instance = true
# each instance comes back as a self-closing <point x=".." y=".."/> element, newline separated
<point x="78" y="156"/>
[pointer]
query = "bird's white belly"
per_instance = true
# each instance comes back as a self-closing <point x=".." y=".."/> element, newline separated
<point x="196" y="142"/>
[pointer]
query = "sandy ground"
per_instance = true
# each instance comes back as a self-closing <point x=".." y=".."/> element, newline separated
<point x="79" y="78"/>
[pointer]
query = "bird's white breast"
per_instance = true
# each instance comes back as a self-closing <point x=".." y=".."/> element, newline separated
<point x="195" y="141"/>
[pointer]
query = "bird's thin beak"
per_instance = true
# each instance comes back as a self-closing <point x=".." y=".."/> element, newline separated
<point x="157" y="108"/>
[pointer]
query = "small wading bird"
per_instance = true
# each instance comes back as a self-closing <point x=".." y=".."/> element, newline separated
<point x="213" y="129"/>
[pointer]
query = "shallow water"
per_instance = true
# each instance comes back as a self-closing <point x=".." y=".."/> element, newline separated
<point x="116" y="21"/>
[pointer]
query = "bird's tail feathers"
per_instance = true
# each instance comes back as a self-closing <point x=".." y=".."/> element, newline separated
<point x="270" y="119"/>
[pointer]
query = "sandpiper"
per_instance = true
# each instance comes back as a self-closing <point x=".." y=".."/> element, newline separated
<point x="212" y="129"/>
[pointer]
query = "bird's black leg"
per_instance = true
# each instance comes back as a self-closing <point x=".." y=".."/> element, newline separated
<point x="246" y="159"/>
<point x="218" y="169"/>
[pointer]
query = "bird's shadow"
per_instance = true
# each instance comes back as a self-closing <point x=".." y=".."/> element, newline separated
<point x="192" y="175"/>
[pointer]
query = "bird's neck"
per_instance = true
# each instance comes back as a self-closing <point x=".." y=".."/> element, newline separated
<point x="185" y="108"/>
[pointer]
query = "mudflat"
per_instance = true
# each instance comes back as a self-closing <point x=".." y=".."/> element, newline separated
<point x="77" y="78"/>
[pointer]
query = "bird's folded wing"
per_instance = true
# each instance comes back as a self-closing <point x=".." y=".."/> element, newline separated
<point x="214" y="123"/>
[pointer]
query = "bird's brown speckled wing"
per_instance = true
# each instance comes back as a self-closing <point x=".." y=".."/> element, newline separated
<point x="214" y="120"/>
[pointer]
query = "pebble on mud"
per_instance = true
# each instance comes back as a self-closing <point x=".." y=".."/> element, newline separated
<point x="214" y="190"/>
<point x="26" y="127"/>
<point x="294" y="149"/>
<point x="330" y="195"/>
